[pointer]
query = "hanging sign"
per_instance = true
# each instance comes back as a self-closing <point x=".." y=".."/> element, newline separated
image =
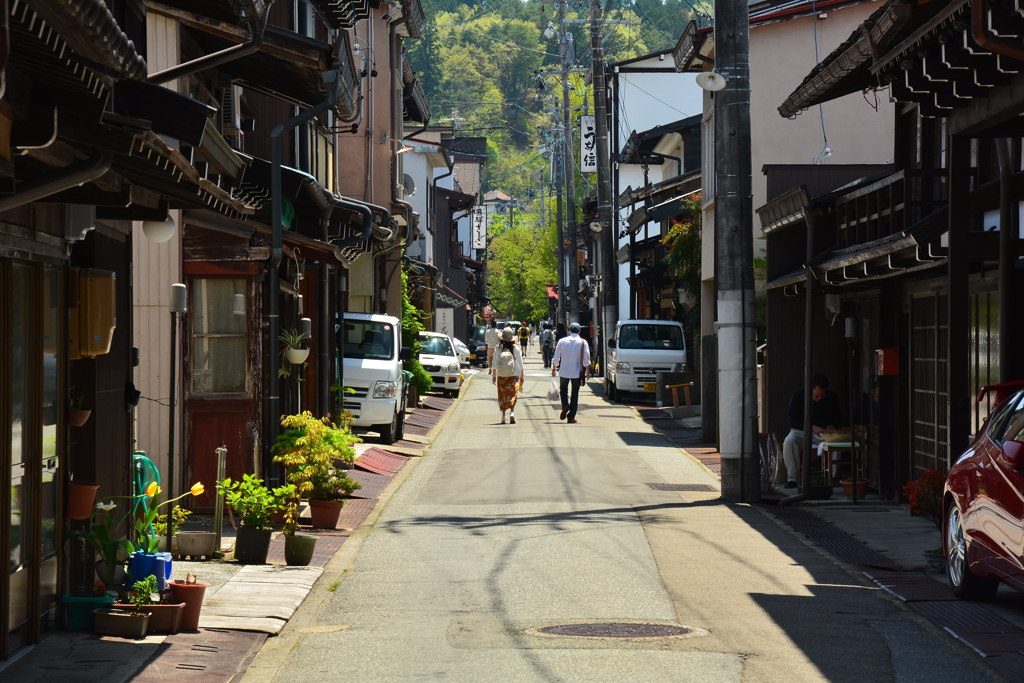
<point x="588" y="145"/>
<point x="480" y="227"/>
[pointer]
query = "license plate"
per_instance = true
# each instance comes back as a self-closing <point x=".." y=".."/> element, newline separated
<point x="472" y="356"/>
<point x="650" y="386"/>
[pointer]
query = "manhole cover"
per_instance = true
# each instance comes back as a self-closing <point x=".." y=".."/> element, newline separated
<point x="616" y="630"/>
<point x="682" y="487"/>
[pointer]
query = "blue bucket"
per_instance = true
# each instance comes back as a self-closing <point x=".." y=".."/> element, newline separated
<point x="141" y="565"/>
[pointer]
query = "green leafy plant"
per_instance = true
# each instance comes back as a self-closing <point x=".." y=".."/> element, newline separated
<point x="312" y="450"/>
<point x="142" y="594"/>
<point x="412" y="325"/>
<point x="147" y="539"/>
<point x="924" y="495"/>
<point x="100" y="535"/>
<point x="817" y="480"/>
<point x="253" y="501"/>
<point x="292" y="339"/>
<point x="683" y="242"/>
<point x="180" y="517"/>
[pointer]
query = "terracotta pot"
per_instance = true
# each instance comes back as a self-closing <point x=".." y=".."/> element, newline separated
<point x="862" y="487"/>
<point x="191" y="594"/>
<point x="112" y="622"/>
<point x="81" y="499"/>
<point x="298" y="549"/>
<point x="325" y="513"/>
<point x="78" y="417"/>
<point x="252" y="545"/>
<point x="162" y="617"/>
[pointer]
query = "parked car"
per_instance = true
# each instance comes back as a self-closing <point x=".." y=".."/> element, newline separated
<point x="438" y="356"/>
<point x="639" y="351"/>
<point x="461" y="350"/>
<point x="477" y="345"/>
<point x="983" y="504"/>
<point x="374" y="360"/>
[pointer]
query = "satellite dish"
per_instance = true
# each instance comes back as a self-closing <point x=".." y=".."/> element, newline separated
<point x="408" y="186"/>
<point x="711" y="80"/>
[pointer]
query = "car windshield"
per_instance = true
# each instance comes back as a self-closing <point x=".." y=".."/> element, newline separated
<point x="666" y="337"/>
<point x="436" y="346"/>
<point x="369" y="340"/>
<point x="477" y="332"/>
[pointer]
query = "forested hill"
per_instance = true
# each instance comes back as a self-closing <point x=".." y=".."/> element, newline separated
<point x="477" y="63"/>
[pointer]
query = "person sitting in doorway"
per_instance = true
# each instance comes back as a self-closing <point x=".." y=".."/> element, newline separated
<point x="825" y="417"/>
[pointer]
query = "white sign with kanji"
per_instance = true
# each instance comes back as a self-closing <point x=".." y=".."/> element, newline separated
<point x="480" y="227"/>
<point x="588" y="145"/>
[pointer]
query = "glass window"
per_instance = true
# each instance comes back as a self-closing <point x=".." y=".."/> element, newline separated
<point x="1005" y="413"/>
<point x="477" y="333"/>
<point x="219" y="340"/>
<point x="51" y="311"/>
<point x="436" y="346"/>
<point x="1014" y="430"/>
<point x="368" y="339"/>
<point x="664" y="337"/>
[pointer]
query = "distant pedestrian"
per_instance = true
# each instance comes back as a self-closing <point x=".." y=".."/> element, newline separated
<point x="524" y="335"/>
<point x="491" y="339"/>
<point x="509" y="374"/>
<point x="547" y="344"/>
<point x="572" y="363"/>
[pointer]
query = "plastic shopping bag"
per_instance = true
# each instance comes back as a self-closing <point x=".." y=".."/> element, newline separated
<point x="553" y="392"/>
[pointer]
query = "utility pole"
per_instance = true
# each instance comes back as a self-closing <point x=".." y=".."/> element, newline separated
<point x="556" y="160"/>
<point x="734" y="269"/>
<point x="609" y="276"/>
<point x="569" y="175"/>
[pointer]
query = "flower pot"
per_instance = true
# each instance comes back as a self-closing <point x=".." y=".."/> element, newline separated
<point x="325" y="513"/>
<point x="79" y="608"/>
<point x="252" y="545"/>
<point x="195" y="544"/>
<point x="298" y="549"/>
<point x="163" y="617"/>
<point x="81" y="499"/>
<point x="112" y="622"/>
<point x="862" y="487"/>
<point x="78" y="417"/>
<point x="296" y="356"/>
<point x="105" y="576"/>
<point x="191" y="595"/>
<point x="819" y="493"/>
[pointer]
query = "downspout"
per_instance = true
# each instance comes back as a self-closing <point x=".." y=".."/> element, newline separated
<point x="325" y="202"/>
<point x="62" y="179"/>
<point x="396" y="137"/>
<point x="1007" y="258"/>
<point x="810" y="220"/>
<point x="988" y="40"/>
<point x="276" y="252"/>
<point x="216" y="59"/>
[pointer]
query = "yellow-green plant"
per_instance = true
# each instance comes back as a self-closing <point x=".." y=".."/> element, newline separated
<point x="313" y="450"/>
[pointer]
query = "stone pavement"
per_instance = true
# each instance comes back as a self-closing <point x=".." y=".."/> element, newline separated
<point x="503" y="530"/>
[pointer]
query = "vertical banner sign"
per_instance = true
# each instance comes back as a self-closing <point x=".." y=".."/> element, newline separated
<point x="480" y="227"/>
<point x="588" y="145"/>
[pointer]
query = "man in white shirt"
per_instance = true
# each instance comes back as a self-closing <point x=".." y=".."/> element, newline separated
<point x="572" y="363"/>
<point x="491" y="339"/>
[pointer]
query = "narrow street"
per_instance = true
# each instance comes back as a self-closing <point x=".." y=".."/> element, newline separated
<point x="501" y="530"/>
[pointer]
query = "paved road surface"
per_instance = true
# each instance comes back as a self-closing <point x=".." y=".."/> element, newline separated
<point x="504" y="529"/>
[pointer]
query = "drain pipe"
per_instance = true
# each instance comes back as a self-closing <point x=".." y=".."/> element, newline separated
<point x="810" y="220"/>
<point x="62" y="179"/>
<point x="1007" y="257"/>
<point x="216" y="59"/>
<point x="276" y="251"/>
<point x="325" y="202"/>
<point x="988" y="40"/>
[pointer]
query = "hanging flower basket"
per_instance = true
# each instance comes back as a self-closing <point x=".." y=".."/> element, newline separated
<point x="296" y="356"/>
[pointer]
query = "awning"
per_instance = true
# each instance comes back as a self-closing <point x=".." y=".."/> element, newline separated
<point x="673" y="187"/>
<point x="673" y="208"/>
<point x="688" y="46"/>
<point x="552" y="294"/>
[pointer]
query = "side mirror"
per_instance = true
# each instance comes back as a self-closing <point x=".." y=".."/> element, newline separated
<point x="611" y="343"/>
<point x="405" y="355"/>
<point x="1013" y="453"/>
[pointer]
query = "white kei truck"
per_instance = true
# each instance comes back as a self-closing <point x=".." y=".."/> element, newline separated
<point x="374" y="359"/>
<point x="639" y="351"/>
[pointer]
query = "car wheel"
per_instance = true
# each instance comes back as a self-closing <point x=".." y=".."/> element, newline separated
<point x="965" y="583"/>
<point x="400" y="430"/>
<point x="613" y="393"/>
<point x="389" y="432"/>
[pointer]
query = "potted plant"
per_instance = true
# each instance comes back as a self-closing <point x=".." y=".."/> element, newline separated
<point x="133" y="624"/>
<point x="147" y="559"/>
<point x="190" y="592"/>
<point x="165" y="611"/>
<point x="313" y="451"/>
<point x="99" y="536"/>
<point x="298" y="548"/>
<point x="77" y="414"/>
<point x="180" y="515"/>
<point x="254" y="503"/>
<point x="862" y="487"/>
<point x="292" y="341"/>
<point x="81" y="498"/>
<point x="924" y="496"/>
<point x="819" y="490"/>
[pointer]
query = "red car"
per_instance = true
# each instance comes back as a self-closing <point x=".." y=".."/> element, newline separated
<point x="983" y="499"/>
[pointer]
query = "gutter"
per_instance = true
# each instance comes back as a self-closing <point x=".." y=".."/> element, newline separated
<point x="988" y="40"/>
<point x="62" y="179"/>
<point x="216" y="59"/>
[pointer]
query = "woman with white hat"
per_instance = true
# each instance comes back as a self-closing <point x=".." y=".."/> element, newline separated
<point x="509" y="373"/>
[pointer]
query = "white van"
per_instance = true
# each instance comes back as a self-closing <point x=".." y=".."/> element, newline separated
<point x="374" y="360"/>
<point x="641" y="349"/>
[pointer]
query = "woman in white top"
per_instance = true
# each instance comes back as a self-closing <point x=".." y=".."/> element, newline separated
<point x="510" y="374"/>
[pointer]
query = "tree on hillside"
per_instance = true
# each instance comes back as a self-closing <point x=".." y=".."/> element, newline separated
<point x="521" y="264"/>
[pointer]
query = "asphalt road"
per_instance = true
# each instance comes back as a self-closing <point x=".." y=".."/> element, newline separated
<point x="502" y="530"/>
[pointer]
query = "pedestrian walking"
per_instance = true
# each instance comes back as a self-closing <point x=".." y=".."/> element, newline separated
<point x="510" y="374"/>
<point x="560" y="332"/>
<point x="491" y="339"/>
<point x="547" y="344"/>
<point x="524" y="336"/>
<point x="572" y="363"/>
